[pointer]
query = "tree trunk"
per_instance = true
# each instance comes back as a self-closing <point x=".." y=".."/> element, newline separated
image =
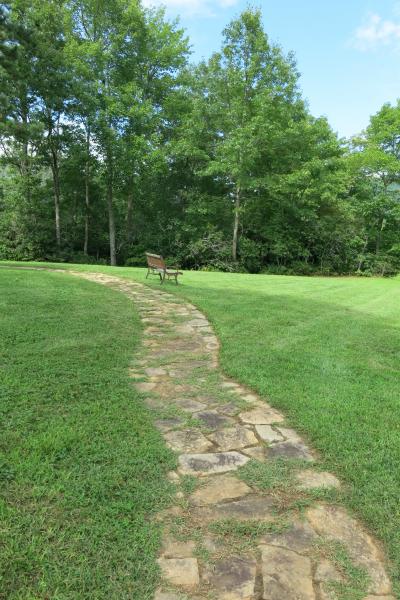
<point x="111" y="220"/>
<point x="56" y="191"/>
<point x="129" y="222"/>
<point x="236" y="224"/>
<point x="87" y="198"/>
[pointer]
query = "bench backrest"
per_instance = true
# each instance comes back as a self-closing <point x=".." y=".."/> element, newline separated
<point x="155" y="261"/>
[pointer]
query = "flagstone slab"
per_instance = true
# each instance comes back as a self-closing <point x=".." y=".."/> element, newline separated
<point x="326" y="572"/>
<point x="187" y="440"/>
<point x="214" y="462"/>
<point x="232" y="578"/>
<point x="168" y="424"/>
<point x="234" y="438"/>
<point x="260" y="508"/>
<point x="290" y="450"/>
<point x="268" y="434"/>
<point x="155" y="371"/>
<point x="309" y="479"/>
<point x="261" y="416"/>
<point x="299" y="537"/>
<point x="213" y="419"/>
<point x="160" y="595"/>
<point x="189" y="405"/>
<point x="230" y="409"/>
<point x="183" y="572"/>
<point x="334" y="523"/>
<point x="286" y="575"/>
<point x="218" y="489"/>
<point x="256" y="452"/>
<point x="176" y="549"/>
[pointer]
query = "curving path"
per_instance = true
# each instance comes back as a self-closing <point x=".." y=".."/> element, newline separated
<point x="255" y="518"/>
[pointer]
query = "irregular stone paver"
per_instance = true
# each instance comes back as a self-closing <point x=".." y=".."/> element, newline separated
<point x="214" y="462"/>
<point x="213" y="419"/>
<point x="180" y="571"/>
<point x="217" y="489"/>
<point x="187" y="440"/>
<point x="233" y="578"/>
<point x="261" y="416"/>
<point x="268" y="434"/>
<point x="286" y="575"/>
<point x="176" y="549"/>
<point x="259" y="508"/>
<point x="309" y="480"/>
<point x="334" y="523"/>
<point x="299" y="537"/>
<point x="234" y="438"/>
<point x="290" y="450"/>
<point x="177" y="366"/>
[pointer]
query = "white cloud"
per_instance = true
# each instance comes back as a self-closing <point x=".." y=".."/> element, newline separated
<point x="376" y="31"/>
<point x="192" y="7"/>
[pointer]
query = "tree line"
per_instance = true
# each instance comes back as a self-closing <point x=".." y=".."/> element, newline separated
<point x="114" y="143"/>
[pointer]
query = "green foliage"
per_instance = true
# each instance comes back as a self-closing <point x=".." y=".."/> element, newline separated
<point x="112" y="145"/>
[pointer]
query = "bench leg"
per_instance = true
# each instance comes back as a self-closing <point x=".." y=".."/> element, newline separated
<point x="148" y="271"/>
<point x="162" y="278"/>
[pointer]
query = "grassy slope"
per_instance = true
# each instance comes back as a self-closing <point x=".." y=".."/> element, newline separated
<point x="81" y="467"/>
<point x="327" y="352"/>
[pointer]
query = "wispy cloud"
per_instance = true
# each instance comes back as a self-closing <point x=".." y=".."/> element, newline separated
<point x="377" y="31"/>
<point x="192" y="7"/>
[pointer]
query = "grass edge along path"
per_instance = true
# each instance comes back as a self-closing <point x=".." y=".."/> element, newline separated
<point x="82" y="468"/>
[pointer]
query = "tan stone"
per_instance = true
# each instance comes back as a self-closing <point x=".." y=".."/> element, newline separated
<point x="334" y="523"/>
<point x="261" y="508"/>
<point x="180" y="571"/>
<point x="326" y="572"/>
<point x="155" y="371"/>
<point x="261" y="416"/>
<point x="145" y="387"/>
<point x="218" y="489"/>
<point x="291" y="435"/>
<point x="310" y="479"/>
<point x="268" y="434"/>
<point x="214" y="462"/>
<point x="175" y="549"/>
<point x="234" y="438"/>
<point x="379" y="598"/>
<point x="232" y="578"/>
<point x="187" y="440"/>
<point x="256" y="452"/>
<point x="286" y="575"/>
<point x="160" y="595"/>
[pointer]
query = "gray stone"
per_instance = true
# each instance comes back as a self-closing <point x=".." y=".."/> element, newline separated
<point x="233" y="578"/>
<point x="334" y="523"/>
<point x="187" y="440"/>
<point x="286" y="575"/>
<point x="218" y="489"/>
<point x="234" y="438"/>
<point x="290" y="435"/>
<point x="268" y="434"/>
<point x="213" y="420"/>
<point x="215" y="462"/>
<point x="310" y="479"/>
<point x="259" y="508"/>
<point x="261" y="416"/>
<point x="180" y="571"/>
<point x="230" y="409"/>
<point x="168" y="424"/>
<point x="290" y="450"/>
<point x="300" y="537"/>
<point x="189" y="405"/>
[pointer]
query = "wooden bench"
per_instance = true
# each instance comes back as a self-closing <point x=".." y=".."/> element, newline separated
<point x="156" y="266"/>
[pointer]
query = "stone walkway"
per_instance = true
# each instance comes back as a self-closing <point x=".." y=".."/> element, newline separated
<point x="255" y="518"/>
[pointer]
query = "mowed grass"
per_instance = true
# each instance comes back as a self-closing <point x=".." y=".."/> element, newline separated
<point x="327" y="352"/>
<point x="82" y="470"/>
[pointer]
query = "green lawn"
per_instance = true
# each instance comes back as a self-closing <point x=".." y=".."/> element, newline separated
<point x="81" y="467"/>
<point x="327" y="352"/>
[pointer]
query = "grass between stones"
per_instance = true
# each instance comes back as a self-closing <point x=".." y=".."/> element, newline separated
<point x="82" y="469"/>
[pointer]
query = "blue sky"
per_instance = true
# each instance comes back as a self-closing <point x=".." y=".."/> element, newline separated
<point x="348" y="51"/>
